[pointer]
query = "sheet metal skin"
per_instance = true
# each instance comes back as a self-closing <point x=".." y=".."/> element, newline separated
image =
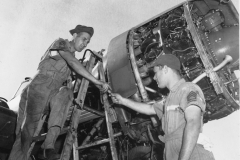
<point x="120" y="73"/>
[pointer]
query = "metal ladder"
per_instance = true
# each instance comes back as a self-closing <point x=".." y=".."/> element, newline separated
<point x="71" y="139"/>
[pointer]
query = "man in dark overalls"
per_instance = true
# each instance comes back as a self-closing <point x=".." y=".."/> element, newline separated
<point x="47" y="90"/>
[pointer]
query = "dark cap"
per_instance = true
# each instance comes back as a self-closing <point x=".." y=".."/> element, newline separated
<point x="80" y="28"/>
<point x="168" y="60"/>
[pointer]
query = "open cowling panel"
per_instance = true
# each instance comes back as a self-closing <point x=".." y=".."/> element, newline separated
<point x="204" y="35"/>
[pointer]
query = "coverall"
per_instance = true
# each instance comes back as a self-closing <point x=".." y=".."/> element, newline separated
<point x="182" y="95"/>
<point x="45" y="92"/>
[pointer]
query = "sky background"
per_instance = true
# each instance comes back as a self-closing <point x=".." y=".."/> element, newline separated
<point x="28" y="27"/>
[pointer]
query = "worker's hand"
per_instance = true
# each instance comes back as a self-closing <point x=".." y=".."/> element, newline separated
<point x="75" y="102"/>
<point x="103" y="87"/>
<point x="116" y="98"/>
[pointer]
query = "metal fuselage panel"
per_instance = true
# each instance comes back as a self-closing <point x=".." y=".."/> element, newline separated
<point x="120" y="73"/>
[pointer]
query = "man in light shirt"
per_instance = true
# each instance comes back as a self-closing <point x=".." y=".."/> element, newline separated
<point x="181" y="113"/>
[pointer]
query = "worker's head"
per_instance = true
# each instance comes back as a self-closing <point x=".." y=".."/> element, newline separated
<point x="166" y="67"/>
<point x="81" y="36"/>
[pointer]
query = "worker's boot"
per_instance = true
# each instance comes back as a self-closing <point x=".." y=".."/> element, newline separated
<point x="51" y="137"/>
<point x="49" y="154"/>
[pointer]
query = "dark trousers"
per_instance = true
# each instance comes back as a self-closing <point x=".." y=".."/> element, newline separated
<point x="42" y="92"/>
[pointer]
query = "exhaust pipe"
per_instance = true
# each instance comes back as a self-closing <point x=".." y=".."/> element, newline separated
<point x="226" y="60"/>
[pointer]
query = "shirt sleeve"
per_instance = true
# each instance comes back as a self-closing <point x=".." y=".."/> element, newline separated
<point x="159" y="108"/>
<point x="193" y="95"/>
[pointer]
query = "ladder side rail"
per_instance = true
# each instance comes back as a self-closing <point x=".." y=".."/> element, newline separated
<point x="72" y="133"/>
<point x="107" y="114"/>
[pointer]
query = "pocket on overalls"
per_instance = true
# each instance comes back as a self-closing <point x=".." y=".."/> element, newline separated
<point x="61" y="66"/>
<point x="44" y="81"/>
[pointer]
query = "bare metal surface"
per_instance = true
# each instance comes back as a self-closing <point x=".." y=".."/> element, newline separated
<point x="160" y="34"/>
<point x="231" y="5"/>
<point x="150" y="89"/>
<point x="118" y="64"/>
<point x="27" y="79"/>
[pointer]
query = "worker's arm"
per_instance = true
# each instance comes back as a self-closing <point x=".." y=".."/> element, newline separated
<point x="193" y="104"/>
<point x="137" y="106"/>
<point x="80" y="69"/>
<point x="191" y="131"/>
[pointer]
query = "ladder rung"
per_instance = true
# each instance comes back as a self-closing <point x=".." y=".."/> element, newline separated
<point x="93" y="111"/>
<point x="98" y="142"/>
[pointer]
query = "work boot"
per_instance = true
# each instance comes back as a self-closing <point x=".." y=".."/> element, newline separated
<point x="49" y="154"/>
